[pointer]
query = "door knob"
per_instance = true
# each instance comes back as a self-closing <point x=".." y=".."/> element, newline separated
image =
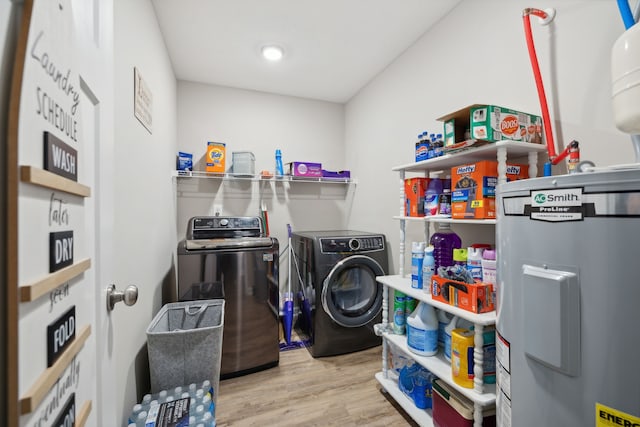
<point x="129" y="296"/>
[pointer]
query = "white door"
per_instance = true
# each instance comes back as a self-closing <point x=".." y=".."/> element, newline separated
<point x="63" y="222"/>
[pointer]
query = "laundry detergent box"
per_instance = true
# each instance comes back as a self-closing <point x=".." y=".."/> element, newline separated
<point x="305" y="169"/>
<point x="414" y="190"/>
<point x="184" y="161"/>
<point x="490" y="123"/>
<point x="216" y="156"/>
<point x="473" y="188"/>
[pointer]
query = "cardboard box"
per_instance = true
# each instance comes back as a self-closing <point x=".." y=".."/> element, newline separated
<point x="184" y="161"/>
<point x="475" y="297"/>
<point x="491" y="123"/>
<point x="473" y="188"/>
<point x="414" y="189"/>
<point x="422" y="151"/>
<point x="305" y="169"/>
<point x="216" y="155"/>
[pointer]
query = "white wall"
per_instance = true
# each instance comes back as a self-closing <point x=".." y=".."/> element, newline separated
<point x="144" y="207"/>
<point x="305" y="130"/>
<point x="9" y="23"/>
<point x="478" y="54"/>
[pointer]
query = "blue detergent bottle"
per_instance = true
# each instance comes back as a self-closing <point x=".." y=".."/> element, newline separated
<point x="432" y="196"/>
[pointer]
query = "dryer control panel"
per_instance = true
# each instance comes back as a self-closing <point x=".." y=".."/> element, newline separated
<point x="351" y="244"/>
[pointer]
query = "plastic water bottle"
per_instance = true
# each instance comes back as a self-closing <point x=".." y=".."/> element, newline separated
<point x="432" y="145"/>
<point x="422" y="330"/>
<point x="141" y="419"/>
<point x="417" y="256"/>
<point x="440" y="145"/>
<point x="279" y="168"/>
<point x="428" y="268"/>
<point x="444" y="241"/>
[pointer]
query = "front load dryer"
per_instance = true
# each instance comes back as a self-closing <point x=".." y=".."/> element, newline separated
<point x="338" y="295"/>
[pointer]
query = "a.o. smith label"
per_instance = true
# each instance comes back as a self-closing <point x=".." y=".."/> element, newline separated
<point x="557" y="205"/>
<point x="609" y="417"/>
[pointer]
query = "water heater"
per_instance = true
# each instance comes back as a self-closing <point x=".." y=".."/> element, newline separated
<point x="568" y="303"/>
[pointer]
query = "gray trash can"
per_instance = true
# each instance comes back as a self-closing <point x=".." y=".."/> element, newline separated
<point x="184" y="342"/>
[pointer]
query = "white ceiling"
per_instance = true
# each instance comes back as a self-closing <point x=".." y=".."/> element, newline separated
<point x="332" y="47"/>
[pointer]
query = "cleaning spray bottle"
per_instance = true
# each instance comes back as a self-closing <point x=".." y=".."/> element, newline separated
<point x="428" y="269"/>
<point x="279" y="168"/>
<point x="399" y="316"/>
<point x="417" y="257"/>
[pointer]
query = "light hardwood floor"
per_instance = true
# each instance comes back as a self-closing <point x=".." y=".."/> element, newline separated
<point x="303" y="391"/>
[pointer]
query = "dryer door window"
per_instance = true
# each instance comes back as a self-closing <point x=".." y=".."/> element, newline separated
<point x="350" y="294"/>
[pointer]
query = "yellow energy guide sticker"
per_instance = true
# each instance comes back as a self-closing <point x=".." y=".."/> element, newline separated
<point x="609" y="417"/>
<point x="476" y="203"/>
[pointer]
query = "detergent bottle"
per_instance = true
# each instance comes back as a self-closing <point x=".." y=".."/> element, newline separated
<point x="443" y="242"/>
<point x="422" y="330"/>
<point x="456" y="322"/>
<point x="474" y="262"/>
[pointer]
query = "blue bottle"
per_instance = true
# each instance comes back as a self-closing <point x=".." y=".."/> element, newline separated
<point x="428" y="268"/>
<point x="279" y="168"/>
<point x="417" y="255"/>
<point x="432" y="197"/>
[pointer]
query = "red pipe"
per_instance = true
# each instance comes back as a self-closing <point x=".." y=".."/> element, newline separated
<point x="551" y="148"/>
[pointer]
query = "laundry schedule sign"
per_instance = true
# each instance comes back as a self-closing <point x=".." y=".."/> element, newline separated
<point x="56" y="222"/>
<point x="60" y="158"/>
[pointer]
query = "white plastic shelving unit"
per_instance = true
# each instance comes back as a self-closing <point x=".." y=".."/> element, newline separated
<point x="482" y="394"/>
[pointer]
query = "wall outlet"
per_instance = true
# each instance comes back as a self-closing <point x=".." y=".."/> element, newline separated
<point x="217" y="210"/>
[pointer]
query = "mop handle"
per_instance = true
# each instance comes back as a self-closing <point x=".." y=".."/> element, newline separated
<point x="290" y="253"/>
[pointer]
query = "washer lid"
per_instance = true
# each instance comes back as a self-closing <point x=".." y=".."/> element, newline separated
<point x="229" y="243"/>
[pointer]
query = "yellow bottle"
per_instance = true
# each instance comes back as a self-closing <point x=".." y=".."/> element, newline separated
<point x="462" y="357"/>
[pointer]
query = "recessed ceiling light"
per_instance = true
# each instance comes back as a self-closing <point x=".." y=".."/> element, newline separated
<point x="272" y="52"/>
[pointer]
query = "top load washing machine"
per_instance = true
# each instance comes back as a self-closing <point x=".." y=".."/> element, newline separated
<point x="233" y="254"/>
<point x="340" y="299"/>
